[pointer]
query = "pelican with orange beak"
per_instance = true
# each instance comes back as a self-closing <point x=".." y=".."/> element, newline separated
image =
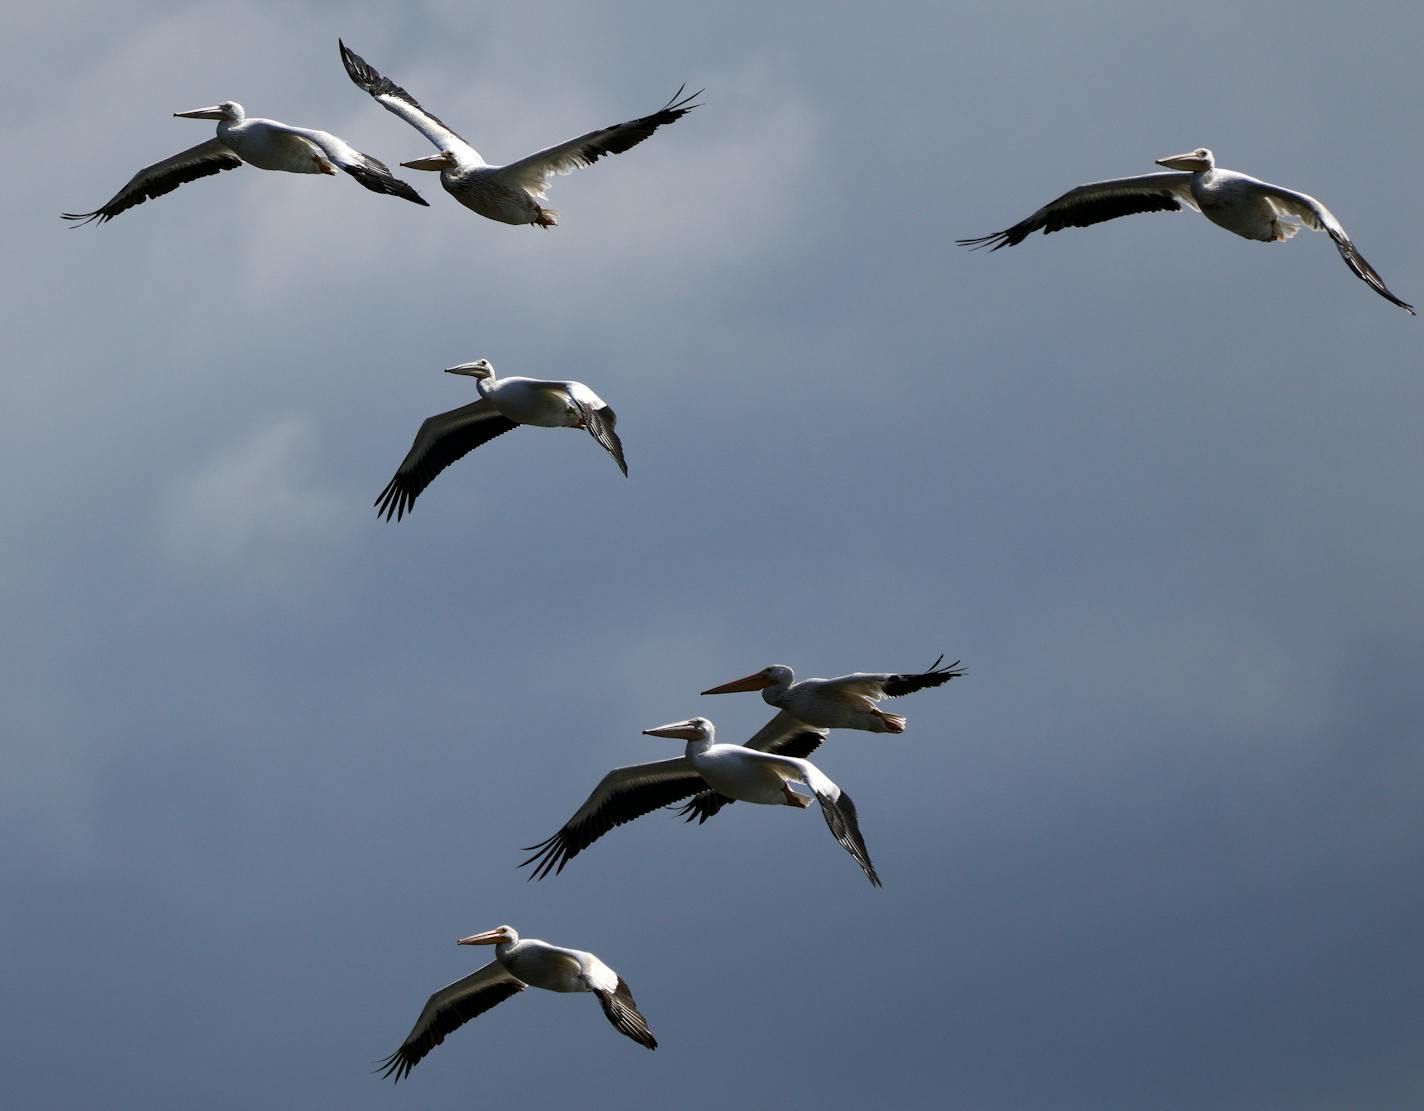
<point x="266" y="144"/>
<point x="519" y="963"/>
<point x="1250" y="208"/>
<point x="845" y="702"/>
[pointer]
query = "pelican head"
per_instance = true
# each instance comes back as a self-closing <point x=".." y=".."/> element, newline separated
<point x="1193" y="161"/>
<point x="480" y="368"/>
<point x="693" y="729"/>
<point x="500" y="935"/>
<point x="445" y="160"/>
<point x="227" y="110"/>
<point x="773" y="676"/>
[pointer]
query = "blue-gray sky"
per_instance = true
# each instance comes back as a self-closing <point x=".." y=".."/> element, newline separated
<point x="267" y="757"/>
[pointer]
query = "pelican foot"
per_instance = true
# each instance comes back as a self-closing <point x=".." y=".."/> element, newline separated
<point x="793" y="799"/>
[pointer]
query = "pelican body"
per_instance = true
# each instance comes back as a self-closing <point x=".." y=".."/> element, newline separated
<point x="731" y="773"/>
<point x="519" y="963"/>
<point x="509" y="194"/>
<point x="504" y="403"/>
<point x="1250" y="208"/>
<point x="845" y="702"/>
<point x="266" y="144"/>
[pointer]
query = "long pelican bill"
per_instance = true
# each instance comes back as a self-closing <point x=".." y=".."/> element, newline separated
<point x="471" y="370"/>
<point x="489" y="937"/>
<point x="213" y="113"/>
<point x="676" y="730"/>
<point x="755" y="682"/>
<point x="1191" y="162"/>
<point x="433" y="162"/>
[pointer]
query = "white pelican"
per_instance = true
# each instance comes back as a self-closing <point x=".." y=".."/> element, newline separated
<point x="518" y="963"/>
<point x="266" y="144"/>
<point x="845" y="702"/>
<point x="504" y="404"/>
<point x="1250" y="208"/>
<point x="509" y="194"/>
<point x="736" y="772"/>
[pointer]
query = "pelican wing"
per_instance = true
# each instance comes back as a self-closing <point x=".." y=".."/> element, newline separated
<point x="1317" y="217"/>
<point x="204" y="160"/>
<point x="876" y="686"/>
<point x="836" y="805"/>
<point x="395" y="99"/>
<point x="442" y="439"/>
<point x="622" y="1010"/>
<point x="839" y="812"/>
<point x="371" y="172"/>
<point x="1095" y="202"/>
<point x="622" y="795"/>
<point x="783" y="735"/>
<point x="532" y="173"/>
<point x="449" y="1009"/>
<point x="601" y="421"/>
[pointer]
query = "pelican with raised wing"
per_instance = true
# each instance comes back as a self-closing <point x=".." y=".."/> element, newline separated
<point x="735" y="772"/>
<point x="510" y="194"/>
<point x="845" y="702"/>
<point x="519" y="963"/>
<point x="1252" y="209"/>
<point x="266" y="144"/>
<point x="504" y="403"/>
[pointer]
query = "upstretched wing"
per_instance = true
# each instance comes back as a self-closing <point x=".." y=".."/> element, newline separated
<point x="532" y="173"/>
<point x="1095" y="202"/>
<point x="204" y="160"/>
<point x="395" y="99"/>
<point x="442" y="439"/>
<point x="449" y="1009"/>
<point x="783" y="735"/>
<point x="1317" y="217"/>
<point x="622" y="795"/>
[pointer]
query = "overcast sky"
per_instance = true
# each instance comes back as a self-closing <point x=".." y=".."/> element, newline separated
<point x="266" y="756"/>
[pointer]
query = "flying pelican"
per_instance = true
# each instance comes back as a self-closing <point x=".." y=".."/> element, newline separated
<point x="1250" y="208"/>
<point x="509" y="194"/>
<point x="845" y="702"/>
<point x="518" y="963"/>
<point x="503" y="404"/>
<point x="735" y="772"/>
<point x="266" y="144"/>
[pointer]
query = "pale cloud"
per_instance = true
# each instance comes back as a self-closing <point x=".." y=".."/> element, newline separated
<point x="253" y="509"/>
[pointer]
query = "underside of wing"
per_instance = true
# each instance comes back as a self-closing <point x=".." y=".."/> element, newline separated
<point x="601" y="422"/>
<point x="1095" y="203"/>
<point x="622" y="1010"/>
<point x="845" y="828"/>
<point x="442" y="440"/>
<point x="1317" y="217"/>
<point x="532" y="172"/>
<point x="396" y="100"/>
<point x="368" y="170"/>
<point x="449" y="1009"/>
<point x="204" y="160"/>
<point x="621" y="796"/>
